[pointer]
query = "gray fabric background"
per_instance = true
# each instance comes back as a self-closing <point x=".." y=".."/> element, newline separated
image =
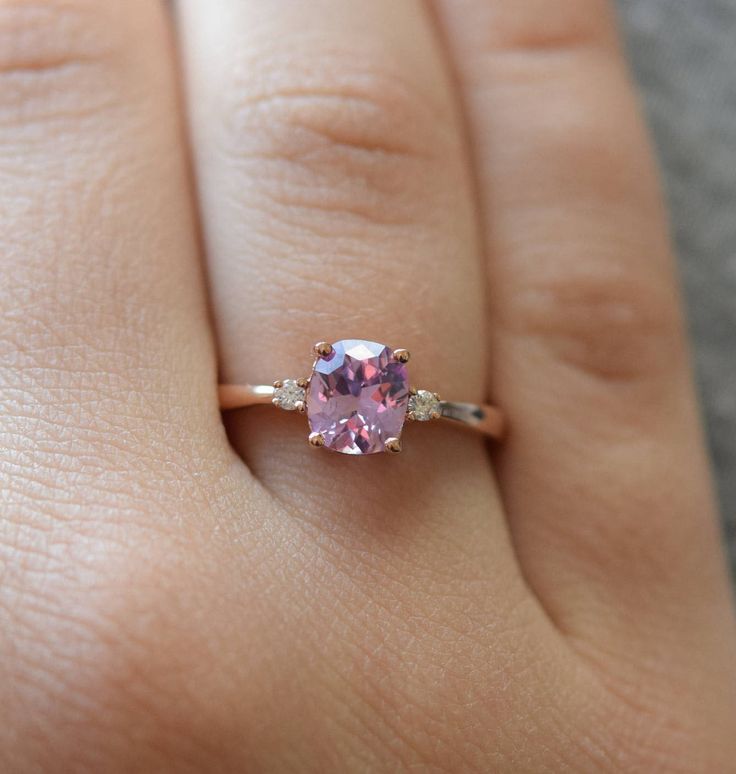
<point x="683" y="53"/>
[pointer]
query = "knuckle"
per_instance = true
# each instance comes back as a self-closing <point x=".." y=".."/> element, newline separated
<point x="531" y="33"/>
<point x="610" y="328"/>
<point x="572" y="24"/>
<point x="55" y="57"/>
<point x="40" y="36"/>
<point x="534" y="28"/>
<point x="337" y="137"/>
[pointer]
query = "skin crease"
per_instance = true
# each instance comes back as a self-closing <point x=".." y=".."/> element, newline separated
<point x="175" y="598"/>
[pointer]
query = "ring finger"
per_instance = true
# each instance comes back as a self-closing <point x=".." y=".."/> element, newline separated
<point x="336" y="203"/>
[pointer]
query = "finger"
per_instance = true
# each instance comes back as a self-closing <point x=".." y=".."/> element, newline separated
<point x="336" y="203"/>
<point x="105" y="361"/>
<point x="604" y="474"/>
<point x="108" y="419"/>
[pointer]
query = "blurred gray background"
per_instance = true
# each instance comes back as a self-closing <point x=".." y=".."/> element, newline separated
<point x="683" y="53"/>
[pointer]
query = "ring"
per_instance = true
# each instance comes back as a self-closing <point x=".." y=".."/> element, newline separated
<point x="358" y="397"/>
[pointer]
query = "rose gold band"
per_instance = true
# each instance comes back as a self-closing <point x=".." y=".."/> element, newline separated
<point x="235" y="396"/>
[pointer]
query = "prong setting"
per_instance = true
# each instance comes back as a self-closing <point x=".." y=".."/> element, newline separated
<point x="322" y="349"/>
<point x="437" y="413"/>
<point x="402" y="355"/>
<point x="393" y="445"/>
<point x="316" y="440"/>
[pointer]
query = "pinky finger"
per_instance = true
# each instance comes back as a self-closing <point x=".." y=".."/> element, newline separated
<point x="604" y="475"/>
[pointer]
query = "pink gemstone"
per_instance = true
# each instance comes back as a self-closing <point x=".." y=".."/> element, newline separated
<point x="357" y="397"/>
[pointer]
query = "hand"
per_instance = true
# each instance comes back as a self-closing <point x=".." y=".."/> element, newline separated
<point x="472" y="183"/>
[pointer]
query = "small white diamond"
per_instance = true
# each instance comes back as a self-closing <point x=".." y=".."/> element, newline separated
<point x="289" y="396"/>
<point x="423" y="406"/>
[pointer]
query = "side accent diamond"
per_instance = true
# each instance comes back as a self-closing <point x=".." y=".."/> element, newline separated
<point x="289" y="395"/>
<point x="423" y="406"/>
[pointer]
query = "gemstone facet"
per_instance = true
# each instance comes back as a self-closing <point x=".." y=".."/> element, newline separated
<point x="424" y="405"/>
<point x="289" y="395"/>
<point x="357" y="397"/>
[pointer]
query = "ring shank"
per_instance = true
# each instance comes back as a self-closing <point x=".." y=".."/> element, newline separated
<point x="488" y="420"/>
<point x="235" y="396"/>
<point x="485" y="419"/>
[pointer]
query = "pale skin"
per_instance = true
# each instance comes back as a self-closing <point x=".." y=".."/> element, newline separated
<point x="470" y="180"/>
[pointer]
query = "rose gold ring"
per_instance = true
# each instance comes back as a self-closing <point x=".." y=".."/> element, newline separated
<point x="358" y="397"/>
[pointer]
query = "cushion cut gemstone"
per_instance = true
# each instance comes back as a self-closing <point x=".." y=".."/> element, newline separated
<point x="357" y="397"/>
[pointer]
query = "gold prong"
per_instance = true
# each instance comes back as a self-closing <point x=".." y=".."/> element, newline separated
<point x="437" y="395"/>
<point x="412" y="390"/>
<point x="393" y="445"/>
<point x="278" y="384"/>
<point x="276" y="402"/>
<point x="322" y="349"/>
<point x="300" y="406"/>
<point x="316" y="440"/>
<point x="303" y="382"/>
<point x="436" y="415"/>
<point x="402" y="355"/>
<point x="410" y="416"/>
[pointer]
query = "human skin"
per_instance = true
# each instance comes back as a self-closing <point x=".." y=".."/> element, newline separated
<point x="470" y="180"/>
